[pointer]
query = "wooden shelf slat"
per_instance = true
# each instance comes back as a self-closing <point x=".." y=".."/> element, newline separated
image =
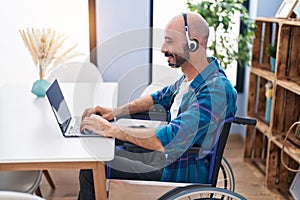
<point x="295" y="22"/>
<point x="268" y="19"/>
<point x="266" y="74"/>
<point x="290" y="84"/>
<point x="291" y="22"/>
<point x="262" y="126"/>
<point x="289" y="148"/>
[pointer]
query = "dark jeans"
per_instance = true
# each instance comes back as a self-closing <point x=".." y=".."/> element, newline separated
<point x="126" y="165"/>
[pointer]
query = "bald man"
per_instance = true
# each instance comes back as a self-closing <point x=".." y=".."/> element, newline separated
<point x="196" y="104"/>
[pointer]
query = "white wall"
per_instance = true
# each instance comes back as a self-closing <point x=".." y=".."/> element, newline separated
<point x="123" y="45"/>
<point x="271" y="11"/>
<point x="66" y="16"/>
<point x="163" y="12"/>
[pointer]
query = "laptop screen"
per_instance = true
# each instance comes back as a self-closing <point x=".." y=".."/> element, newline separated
<point x="59" y="106"/>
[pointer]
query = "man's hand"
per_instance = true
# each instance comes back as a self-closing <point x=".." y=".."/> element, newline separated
<point x="97" y="124"/>
<point x="106" y="113"/>
<point x="144" y="137"/>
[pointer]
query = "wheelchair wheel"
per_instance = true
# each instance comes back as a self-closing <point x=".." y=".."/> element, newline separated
<point x="226" y="177"/>
<point x="201" y="193"/>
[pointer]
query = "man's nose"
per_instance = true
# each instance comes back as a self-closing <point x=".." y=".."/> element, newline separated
<point x="164" y="48"/>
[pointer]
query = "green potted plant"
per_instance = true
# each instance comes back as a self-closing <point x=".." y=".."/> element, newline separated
<point x="271" y="51"/>
<point x="221" y="16"/>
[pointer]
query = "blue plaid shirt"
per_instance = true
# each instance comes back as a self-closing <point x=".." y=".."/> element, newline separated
<point x="210" y="100"/>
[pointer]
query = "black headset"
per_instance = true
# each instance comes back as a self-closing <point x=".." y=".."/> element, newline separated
<point x="192" y="44"/>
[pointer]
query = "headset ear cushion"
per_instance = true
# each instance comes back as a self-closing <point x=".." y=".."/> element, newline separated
<point x="193" y="45"/>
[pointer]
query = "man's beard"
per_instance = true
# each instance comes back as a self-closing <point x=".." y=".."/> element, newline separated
<point x="179" y="60"/>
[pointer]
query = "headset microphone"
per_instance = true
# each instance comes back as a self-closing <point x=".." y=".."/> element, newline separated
<point x="192" y="44"/>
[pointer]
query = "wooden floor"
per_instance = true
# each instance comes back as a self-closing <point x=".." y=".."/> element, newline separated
<point x="249" y="181"/>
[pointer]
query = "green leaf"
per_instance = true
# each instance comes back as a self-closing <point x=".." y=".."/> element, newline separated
<point x="219" y="15"/>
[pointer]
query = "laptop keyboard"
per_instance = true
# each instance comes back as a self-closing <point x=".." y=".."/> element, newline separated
<point x="75" y="126"/>
<point x="74" y="130"/>
<point x="88" y="132"/>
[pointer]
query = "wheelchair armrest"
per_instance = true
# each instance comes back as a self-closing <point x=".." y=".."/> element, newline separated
<point x="148" y="115"/>
<point x="244" y="121"/>
<point x="156" y="113"/>
<point x="134" y="148"/>
<point x="137" y="149"/>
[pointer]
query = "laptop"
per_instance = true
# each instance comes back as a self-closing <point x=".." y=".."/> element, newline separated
<point x="69" y="125"/>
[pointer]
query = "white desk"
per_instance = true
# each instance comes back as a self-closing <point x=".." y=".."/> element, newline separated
<point x="30" y="138"/>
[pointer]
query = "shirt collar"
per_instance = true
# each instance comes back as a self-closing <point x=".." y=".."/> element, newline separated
<point x="211" y="68"/>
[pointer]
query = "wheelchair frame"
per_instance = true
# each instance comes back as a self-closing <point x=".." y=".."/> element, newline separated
<point x="216" y="165"/>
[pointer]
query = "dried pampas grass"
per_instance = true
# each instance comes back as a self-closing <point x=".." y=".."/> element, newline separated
<point x="45" y="47"/>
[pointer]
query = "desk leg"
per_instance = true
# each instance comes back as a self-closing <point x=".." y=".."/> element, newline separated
<point x="100" y="181"/>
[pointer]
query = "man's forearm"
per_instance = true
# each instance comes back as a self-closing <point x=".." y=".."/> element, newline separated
<point x="139" y="105"/>
<point x="143" y="137"/>
<point x="138" y="136"/>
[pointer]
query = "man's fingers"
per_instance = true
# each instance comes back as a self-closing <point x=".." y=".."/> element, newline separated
<point x="87" y="122"/>
<point x="86" y="112"/>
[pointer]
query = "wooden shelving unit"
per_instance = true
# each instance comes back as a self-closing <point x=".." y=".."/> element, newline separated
<point x="263" y="143"/>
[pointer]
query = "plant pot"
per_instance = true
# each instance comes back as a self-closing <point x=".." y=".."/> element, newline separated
<point x="40" y="87"/>
<point x="273" y="64"/>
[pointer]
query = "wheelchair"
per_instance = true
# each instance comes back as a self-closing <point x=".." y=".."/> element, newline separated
<point x="221" y="178"/>
<point x="201" y="193"/>
<point x="226" y="176"/>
